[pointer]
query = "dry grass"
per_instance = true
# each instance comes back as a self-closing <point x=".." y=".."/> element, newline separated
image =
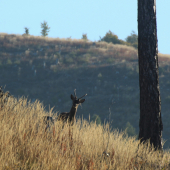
<point x="164" y="59"/>
<point x="42" y="47"/>
<point x="25" y="145"/>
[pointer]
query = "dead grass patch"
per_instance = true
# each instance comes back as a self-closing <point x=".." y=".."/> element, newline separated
<point x="25" y="145"/>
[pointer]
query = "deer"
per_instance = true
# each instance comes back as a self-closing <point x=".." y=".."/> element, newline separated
<point x="70" y="116"/>
<point x="66" y="116"/>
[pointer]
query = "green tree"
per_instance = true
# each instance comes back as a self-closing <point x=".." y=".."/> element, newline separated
<point x="45" y="29"/>
<point x="84" y="37"/>
<point x="26" y="31"/>
<point x="111" y="37"/>
<point x="132" y="39"/>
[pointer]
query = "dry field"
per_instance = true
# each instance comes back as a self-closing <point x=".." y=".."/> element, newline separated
<point x="25" y="145"/>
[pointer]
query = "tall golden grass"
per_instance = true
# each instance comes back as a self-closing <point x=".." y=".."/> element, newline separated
<point x="24" y="144"/>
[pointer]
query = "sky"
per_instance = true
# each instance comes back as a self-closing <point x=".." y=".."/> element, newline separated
<point x="72" y="18"/>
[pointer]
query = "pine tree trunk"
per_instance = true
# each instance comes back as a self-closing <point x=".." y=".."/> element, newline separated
<point x="150" y="123"/>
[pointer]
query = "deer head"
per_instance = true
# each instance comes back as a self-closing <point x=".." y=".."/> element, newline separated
<point x="70" y="116"/>
<point x="76" y="101"/>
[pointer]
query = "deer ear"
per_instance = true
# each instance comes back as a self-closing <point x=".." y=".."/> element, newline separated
<point x="72" y="97"/>
<point x="82" y="100"/>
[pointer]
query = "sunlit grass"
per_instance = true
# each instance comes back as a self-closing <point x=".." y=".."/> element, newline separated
<point x="24" y="144"/>
<point x="46" y="46"/>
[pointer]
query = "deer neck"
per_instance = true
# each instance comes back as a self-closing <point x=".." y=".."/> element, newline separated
<point x="73" y="111"/>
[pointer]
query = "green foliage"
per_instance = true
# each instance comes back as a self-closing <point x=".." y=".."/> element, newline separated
<point x="133" y="39"/>
<point x="99" y="75"/>
<point x="111" y="37"/>
<point x="73" y="54"/>
<point x="130" y="129"/>
<point x="135" y="45"/>
<point x="83" y="58"/>
<point x="45" y="29"/>
<point x="17" y="62"/>
<point x="26" y="31"/>
<point x="96" y="118"/>
<point x="9" y="62"/>
<point x="110" y="60"/>
<point x="84" y="37"/>
<point x="69" y="60"/>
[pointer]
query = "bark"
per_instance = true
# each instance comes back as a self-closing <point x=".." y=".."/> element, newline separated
<point x="150" y="123"/>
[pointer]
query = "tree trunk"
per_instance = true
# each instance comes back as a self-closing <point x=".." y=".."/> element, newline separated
<point x="150" y="123"/>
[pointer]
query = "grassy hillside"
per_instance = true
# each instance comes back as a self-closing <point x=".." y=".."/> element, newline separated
<point x="49" y="69"/>
<point x="24" y="144"/>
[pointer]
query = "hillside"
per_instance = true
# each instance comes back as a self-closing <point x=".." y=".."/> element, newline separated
<point x="24" y="143"/>
<point x="49" y="69"/>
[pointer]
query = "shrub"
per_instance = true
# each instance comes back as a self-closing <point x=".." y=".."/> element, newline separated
<point x="17" y="62"/>
<point x="9" y="62"/>
<point x="96" y="118"/>
<point x="84" y="37"/>
<point x="73" y="54"/>
<point x="99" y="75"/>
<point x="68" y="60"/>
<point x="130" y="129"/>
<point x="133" y="39"/>
<point x="111" y="37"/>
<point x="84" y="58"/>
<point x="110" y="60"/>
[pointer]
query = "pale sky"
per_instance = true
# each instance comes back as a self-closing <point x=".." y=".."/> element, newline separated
<point x="76" y="17"/>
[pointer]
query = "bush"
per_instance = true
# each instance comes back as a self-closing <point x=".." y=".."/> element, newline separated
<point x="84" y="37"/>
<point x="110" y="60"/>
<point x="9" y="62"/>
<point x="69" y="60"/>
<point x="135" y="45"/>
<point x="133" y="39"/>
<point x="83" y="58"/>
<point x="17" y="62"/>
<point x="73" y="54"/>
<point x="96" y="118"/>
<point x="111" y="37"/>
<point x="130" y="129"/>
